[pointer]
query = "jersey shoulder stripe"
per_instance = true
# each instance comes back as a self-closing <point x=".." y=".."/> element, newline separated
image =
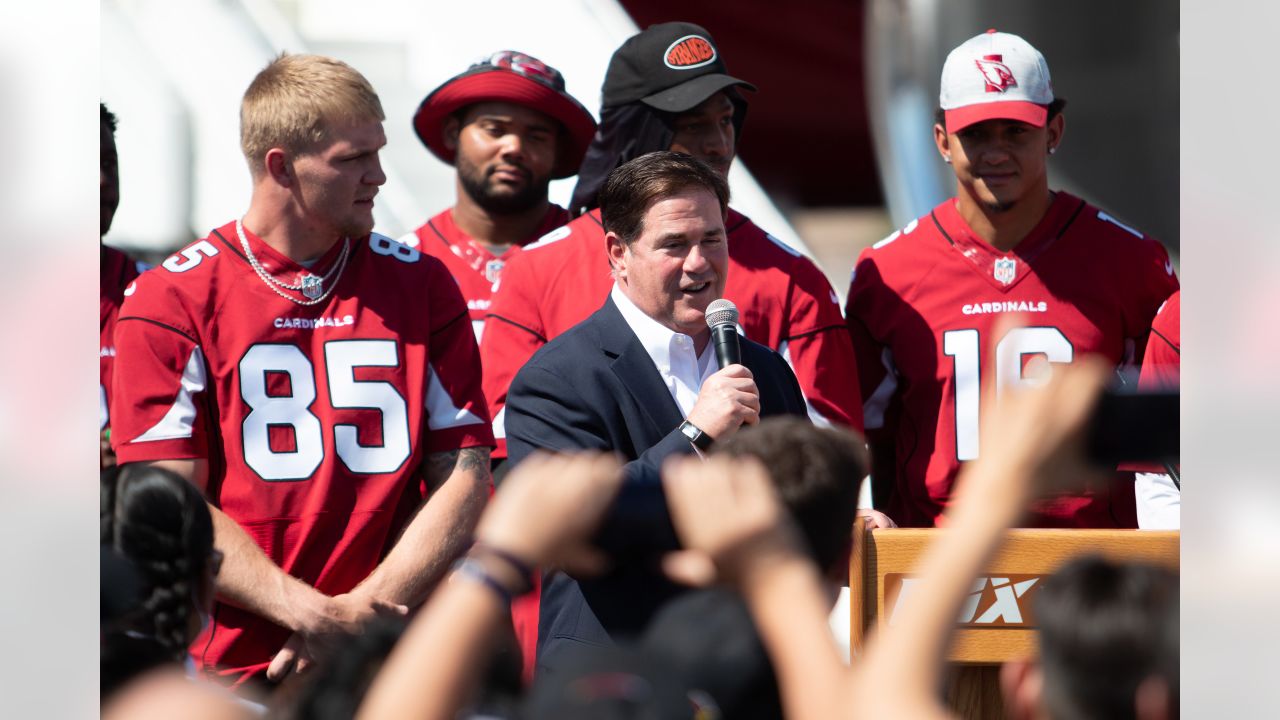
<point x="906" y="230"/>
<point x="785" y="247"/>
<point x="554" y="236"/>
<point x="1105" y="217"/>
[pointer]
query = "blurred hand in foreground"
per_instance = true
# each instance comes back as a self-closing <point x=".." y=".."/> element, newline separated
<point x="549" y="507"/>
<point x="727" y="511"/>
<point x="1033" y="437"/>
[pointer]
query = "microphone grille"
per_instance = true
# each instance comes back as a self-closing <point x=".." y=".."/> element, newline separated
<point x="721" y="312"/>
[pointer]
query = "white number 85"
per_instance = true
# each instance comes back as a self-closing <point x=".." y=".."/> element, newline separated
<point x="341" y="358"/>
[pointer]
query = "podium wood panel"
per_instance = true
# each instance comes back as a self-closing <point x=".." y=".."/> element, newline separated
<point x="1029" y="552"/>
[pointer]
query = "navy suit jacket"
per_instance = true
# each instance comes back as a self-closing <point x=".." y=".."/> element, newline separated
<point x="596" y="388"/>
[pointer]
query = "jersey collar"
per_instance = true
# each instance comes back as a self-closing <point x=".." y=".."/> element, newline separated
<point x="280" y="266"/>
<point x="1004" y="270"/>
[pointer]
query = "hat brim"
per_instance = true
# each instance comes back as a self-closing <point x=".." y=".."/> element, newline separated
<point x="499" y="85"/>
<point x="1030" y="113"/>
<point x="687" y="95"/>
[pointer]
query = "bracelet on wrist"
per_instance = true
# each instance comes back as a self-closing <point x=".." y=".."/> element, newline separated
<point x="472" y="569"/>
<point x="522" y="568"/>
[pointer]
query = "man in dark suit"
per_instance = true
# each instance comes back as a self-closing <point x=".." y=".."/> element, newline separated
<point x="639" y="378"/>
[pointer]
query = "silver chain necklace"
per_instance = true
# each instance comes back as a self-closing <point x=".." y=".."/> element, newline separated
<point x="312" y="286"/>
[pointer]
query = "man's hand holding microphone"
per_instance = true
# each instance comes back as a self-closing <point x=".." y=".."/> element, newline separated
<point x="729" y="397"/>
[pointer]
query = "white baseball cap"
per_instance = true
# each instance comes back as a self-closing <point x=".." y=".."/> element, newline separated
<point x="993" y="76"/>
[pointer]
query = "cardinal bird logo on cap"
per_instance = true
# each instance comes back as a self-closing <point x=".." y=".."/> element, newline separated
<point x="995" y="74"/>
<point x="529" y="66"/>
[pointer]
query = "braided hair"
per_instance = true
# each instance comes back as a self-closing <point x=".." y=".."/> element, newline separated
<point x="160" y="522"/>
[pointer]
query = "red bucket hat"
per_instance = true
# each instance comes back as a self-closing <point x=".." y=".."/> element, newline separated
<point x="508" y="76"/>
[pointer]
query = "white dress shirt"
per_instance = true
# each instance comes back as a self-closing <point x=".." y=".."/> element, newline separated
<point x="1159" y="502"/>
<point x="683" y="371"/>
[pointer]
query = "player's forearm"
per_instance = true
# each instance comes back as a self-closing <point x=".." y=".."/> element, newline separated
<point x="790" y="608"/>
<point x="438" y="533"/>
<point x="249" y="579"/>
<point x="457" y="623"/>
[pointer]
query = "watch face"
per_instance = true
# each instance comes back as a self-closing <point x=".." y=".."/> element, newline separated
<point x="699" y="439"/>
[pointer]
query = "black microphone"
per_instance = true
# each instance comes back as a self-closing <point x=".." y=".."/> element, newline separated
<point x="722" y="318"/>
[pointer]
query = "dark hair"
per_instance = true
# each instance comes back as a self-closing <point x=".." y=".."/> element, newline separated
<point x="817" y="472"/>
<point x="160" y="522"/>
<point x="342" y="677"/>
<point x="632" y="186"/>
<point x="1054" y="107"/>
<point x="108" y="118"/>
<point x="124" y="657"/>
<point x="1105" y="627"/>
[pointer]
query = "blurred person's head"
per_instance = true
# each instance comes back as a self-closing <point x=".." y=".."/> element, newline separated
<point x="663" y="216"/>
<point x="109" y="167"/>
<point x="621" y="682"/>
<point x="1108" y="635"/>
<point x="311" y="130"/>
<point x="160" y="523"/>
<point x="336" y="685"/>
<point x="666" y="88"/>
<point x="700" y="658"/>
<point x="509" y="127"/>
<point x="817" y="472"/>
<point x="123" y="655"/>
<point x="710" y="640"/>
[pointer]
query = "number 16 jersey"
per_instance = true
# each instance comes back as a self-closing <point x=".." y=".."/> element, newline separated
<point x="314" y="419"/>
<point x="923" y="308"/>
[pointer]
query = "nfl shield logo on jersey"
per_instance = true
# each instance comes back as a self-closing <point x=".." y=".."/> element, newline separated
<point x="312" y="286"/>
<point x="493" y="270"/>
<point x="1006" y="269"/>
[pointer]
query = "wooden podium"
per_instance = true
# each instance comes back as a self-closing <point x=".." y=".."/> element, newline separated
<point x="997" y="623"/>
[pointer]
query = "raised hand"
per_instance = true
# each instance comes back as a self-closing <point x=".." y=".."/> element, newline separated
<point x="549" y="506"/>
<point x="728" y="510"/>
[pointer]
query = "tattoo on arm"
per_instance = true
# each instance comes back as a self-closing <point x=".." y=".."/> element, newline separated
<point x="439" y="466"/>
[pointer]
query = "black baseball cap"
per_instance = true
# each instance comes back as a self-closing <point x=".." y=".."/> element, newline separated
<point x="670" y="66"/>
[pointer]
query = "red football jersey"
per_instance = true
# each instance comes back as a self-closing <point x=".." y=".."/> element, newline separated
<point x="923" y="305"/>
<point x="474" y="268"/>
<point x="784" y="301"/>
<point x="315" y="419"/>
<point x="1160" y="366"/>
<point x="1161" y="363"/>
<point x="116" y="270"/>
